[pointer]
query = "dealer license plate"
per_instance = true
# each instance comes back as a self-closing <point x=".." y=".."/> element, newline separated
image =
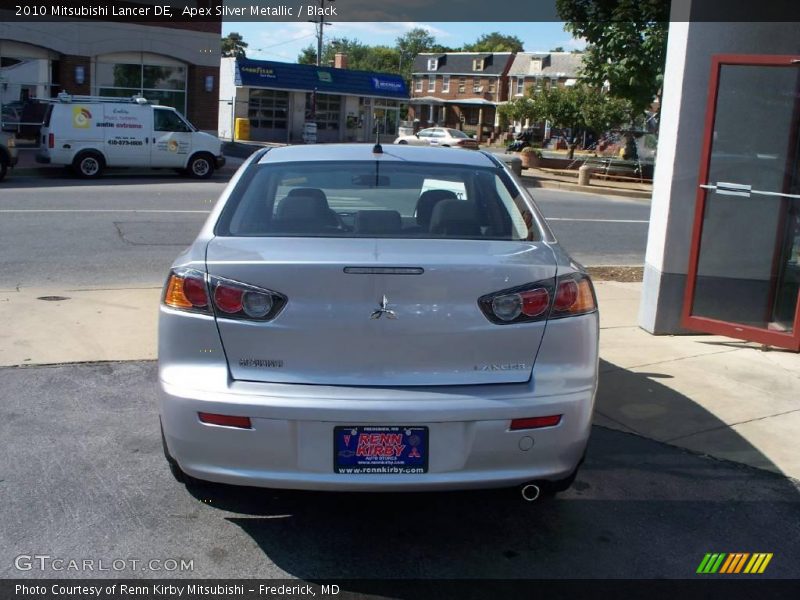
<point x="380" y="449"/>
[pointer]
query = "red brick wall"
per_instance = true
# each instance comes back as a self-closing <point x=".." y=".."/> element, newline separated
<point x="454" y="94"/>
<point x="202" y="107"/>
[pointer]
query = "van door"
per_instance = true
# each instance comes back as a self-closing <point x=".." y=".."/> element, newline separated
<point x="127" y="130"/>
<point x="172" y="138"/>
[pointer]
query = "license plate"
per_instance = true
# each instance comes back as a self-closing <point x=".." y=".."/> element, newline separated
<point x="380" y="449"/>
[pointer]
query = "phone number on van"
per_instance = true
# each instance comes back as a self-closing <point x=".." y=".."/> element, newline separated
<point x="125" y="142"/>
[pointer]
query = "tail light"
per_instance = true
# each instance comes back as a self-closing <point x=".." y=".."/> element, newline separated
<point x="195" y="291"/>
<point x="569" y="295"/>
<point x="51" y="141"/>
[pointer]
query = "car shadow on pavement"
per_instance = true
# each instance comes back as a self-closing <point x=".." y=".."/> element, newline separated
<point x="639" y="509"/>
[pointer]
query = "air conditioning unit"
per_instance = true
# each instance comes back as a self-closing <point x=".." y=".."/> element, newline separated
<point x="479" y="89"/>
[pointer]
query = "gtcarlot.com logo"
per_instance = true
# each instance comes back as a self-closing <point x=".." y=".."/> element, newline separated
<point x="45" y="562"/>
<point x="735" y="563"/>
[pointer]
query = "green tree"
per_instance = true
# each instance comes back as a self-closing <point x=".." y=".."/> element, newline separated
<point x="495" y="42"/>
<point x="627" y="44"/>
<point x="234" y="45"/>
<point x="412" y="43"/>
<point x="557" y="49"/>
<point x="577" y="107"/>
<point x="359" y="56"/>
<point x="308" y="55"/>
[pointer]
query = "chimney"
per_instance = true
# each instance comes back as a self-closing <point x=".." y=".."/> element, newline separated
<point x="340" y="61"/>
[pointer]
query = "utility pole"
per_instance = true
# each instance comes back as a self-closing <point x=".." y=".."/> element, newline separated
<point x="320" y="25"/>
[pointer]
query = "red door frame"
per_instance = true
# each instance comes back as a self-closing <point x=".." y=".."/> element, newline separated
<point x="789" y="340"/>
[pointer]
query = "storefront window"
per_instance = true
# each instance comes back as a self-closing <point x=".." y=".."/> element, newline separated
<point x="165" y="84"/>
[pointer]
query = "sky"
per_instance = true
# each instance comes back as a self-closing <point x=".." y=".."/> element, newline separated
<point x="284" y="41"/>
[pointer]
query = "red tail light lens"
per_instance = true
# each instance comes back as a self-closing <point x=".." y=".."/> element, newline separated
<point x="535" y="302"/>
<point x="535" y="422"/>
<point x="195" y="291"/>
<point x="51" y="141"/>
<point x="225" y="420"/>
<point x="228" y="299"/>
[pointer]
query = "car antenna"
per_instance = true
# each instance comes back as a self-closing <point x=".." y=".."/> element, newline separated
<point x="377" y="148"/>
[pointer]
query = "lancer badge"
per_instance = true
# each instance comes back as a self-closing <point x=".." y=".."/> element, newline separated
<point x="383" y="310"/>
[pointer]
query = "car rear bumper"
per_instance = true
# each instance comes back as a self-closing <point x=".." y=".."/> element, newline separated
<point x="219" y="161"/>
<point x="42" y="158"/>
<point x="291" y="441"/>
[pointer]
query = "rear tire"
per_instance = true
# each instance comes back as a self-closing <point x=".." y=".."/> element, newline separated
<point x="88" y="165"/>
<point x="201" y="166"/>
<point x="403" y="143"/>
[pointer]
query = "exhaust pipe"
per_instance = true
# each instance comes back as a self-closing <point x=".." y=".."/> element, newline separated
<point x="530" y="492"/>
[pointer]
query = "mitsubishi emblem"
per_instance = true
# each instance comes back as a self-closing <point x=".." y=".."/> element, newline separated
<point x="383" y="310"/>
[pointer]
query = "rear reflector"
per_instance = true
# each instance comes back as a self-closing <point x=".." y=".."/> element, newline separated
<point x="535" y="422"/>
<point x="225" y="420"/>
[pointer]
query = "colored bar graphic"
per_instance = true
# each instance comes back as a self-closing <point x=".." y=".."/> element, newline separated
<point x="732" y="558"/>
<point x="711" y="563"/>
<point x="741" y="562"/>
<point x="728" y="564"/>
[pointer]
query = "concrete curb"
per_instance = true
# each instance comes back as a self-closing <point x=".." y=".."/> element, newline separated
<point x="590" y="189"/>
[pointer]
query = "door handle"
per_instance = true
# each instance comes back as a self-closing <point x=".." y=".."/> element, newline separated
<point x="729" y="189"/>
<point x="739" y="189"/>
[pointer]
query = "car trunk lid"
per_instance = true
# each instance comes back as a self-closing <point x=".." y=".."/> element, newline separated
<point x="380" y="312"/>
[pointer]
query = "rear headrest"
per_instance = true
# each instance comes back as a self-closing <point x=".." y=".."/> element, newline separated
<point x="427" y="201"/>
<point x="455" y="217"/>
<point x="304" y="203"/>
<point x="378" y="221"/>
<point x="313" y="192"/>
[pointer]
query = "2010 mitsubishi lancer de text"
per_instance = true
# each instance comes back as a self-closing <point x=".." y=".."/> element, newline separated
<point x="364" y="318"/>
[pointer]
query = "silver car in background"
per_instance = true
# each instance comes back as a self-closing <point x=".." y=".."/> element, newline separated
<point x="358" y="318"/>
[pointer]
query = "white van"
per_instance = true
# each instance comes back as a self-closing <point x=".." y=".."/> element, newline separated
<point x="90" y="133"/>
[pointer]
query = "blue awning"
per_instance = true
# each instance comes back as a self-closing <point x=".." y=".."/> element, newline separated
<point x="327" y="80"/>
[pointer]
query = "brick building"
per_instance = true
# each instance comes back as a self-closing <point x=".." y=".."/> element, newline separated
<point x="175" y="64"/>
<point x="460" y="90"/>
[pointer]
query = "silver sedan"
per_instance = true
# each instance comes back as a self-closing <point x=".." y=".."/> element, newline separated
<point x="354" y="317"/>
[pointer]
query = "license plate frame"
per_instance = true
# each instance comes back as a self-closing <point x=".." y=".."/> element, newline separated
<point x="352" y="456"/>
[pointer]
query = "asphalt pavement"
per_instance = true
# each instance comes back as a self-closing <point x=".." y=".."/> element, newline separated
<point x="83" y="477"/>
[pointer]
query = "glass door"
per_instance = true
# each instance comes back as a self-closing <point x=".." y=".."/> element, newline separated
<point x="744" y="269"/>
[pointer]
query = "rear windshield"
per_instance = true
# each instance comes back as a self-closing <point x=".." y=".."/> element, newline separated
<point x="378" y="199"/>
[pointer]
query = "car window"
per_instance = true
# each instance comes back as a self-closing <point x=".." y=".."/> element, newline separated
<point x="426" y="133"/>
<point x="438" y="133"/>
<point x="167" y="120"/>
<point x="370" y="199"/>
<point x="457" y="134"/>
